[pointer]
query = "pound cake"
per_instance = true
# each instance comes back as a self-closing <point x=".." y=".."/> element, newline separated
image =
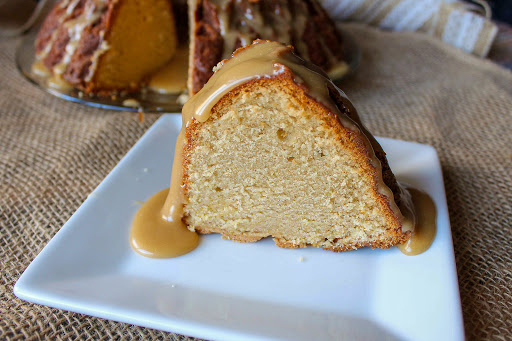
<point x="270" y="147"/>
<point x="106" y="46"/>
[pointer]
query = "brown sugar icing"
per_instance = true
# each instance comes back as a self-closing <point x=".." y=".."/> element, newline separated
<point x="265" y="59"/>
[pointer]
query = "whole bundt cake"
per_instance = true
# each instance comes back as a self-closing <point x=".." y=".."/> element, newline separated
<point x="271" y="147"/>
<point x="106" y="46"/>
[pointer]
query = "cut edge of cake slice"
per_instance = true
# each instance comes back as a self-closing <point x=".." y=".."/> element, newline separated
<point x="283" y="154"/>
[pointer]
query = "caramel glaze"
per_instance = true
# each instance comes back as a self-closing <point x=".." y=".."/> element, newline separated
<point x="265" y="59"/>
<point x="172" y="78"/>
<point x="75" y="22"/>
<point x="425" y="224"/>
<point x="53" y="81"/>
<point x="44" y="46"/>
<point x="58" y="83"/>
<point x="153" y="236"/>
<point x="39" y="69"/>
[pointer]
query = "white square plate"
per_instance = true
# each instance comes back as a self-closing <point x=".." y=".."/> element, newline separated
<point x="227" y="290"/>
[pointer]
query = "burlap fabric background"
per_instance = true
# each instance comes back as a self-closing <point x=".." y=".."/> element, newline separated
<point x="409" y="86"/>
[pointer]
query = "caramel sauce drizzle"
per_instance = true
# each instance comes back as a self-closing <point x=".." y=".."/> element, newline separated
<point x="58" y="83"/>
<point x="39" y="69"/>
<point x="70" y="7"/>
<point x="75" y="27"/>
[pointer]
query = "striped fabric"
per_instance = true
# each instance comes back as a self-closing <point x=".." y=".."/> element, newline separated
<point x="457" y="23"/>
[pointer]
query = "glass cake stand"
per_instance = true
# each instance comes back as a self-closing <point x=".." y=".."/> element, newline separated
<point x="144" y="100"/>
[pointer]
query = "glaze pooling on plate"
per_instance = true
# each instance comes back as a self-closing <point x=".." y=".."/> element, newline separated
<point x="152" y="235"/>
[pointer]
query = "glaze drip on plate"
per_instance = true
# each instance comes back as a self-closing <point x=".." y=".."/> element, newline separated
<point x="154" y="236"/>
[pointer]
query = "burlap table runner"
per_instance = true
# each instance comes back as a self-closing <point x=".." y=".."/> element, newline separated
<point x="408" y="86"/>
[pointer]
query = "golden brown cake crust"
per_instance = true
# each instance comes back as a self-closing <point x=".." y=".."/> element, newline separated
<point x="330" y="121"/>
<point x="283" y="243"/>
<point x="208" y="44"/>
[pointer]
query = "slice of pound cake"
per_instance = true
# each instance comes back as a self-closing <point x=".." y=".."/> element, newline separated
<point x="270" y="147"/>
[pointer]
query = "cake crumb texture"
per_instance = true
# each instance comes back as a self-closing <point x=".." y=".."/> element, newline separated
<point x="270" y="161"/>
